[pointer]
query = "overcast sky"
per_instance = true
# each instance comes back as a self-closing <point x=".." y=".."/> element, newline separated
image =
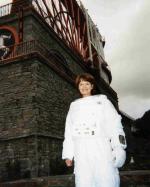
<point x="126" y="27"/>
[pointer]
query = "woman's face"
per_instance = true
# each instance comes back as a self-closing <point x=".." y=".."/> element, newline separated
<point x="85" y="88"/>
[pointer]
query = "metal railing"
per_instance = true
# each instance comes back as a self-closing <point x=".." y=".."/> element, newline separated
<point x="34" y="47"/>
<point x="24" y="49"/>
<point x="5" y="10"/>
<point x="13" y="8"/>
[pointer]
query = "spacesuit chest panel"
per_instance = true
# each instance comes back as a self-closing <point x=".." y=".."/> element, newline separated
<point x="85" y="118"/>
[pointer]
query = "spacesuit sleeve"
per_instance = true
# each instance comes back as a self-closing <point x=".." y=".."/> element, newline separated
<point x="68" y="147"/>
<point x="114" y="126"/>
<point x="115" y="133"/>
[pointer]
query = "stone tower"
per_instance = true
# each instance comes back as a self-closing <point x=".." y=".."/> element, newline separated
<point x="43" y="46"/>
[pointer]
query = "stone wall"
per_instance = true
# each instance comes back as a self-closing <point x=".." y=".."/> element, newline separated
<point x="17" y="90"/>
<point x="18" y="158"/>
<point x="53" y="96"/>
<point x="17" y="119"/>
<point x="34" y="101"/>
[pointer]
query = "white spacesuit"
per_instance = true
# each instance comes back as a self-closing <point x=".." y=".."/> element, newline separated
<point x="95" y="139"/>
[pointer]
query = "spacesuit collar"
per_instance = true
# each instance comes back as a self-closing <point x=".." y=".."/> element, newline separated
<point x="86" y="97"/>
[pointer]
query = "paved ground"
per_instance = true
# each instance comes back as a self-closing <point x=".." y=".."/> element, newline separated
<point x="140" y="178"/>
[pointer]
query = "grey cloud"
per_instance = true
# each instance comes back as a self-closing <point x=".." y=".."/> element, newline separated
<point x="131" y="61"/>
<point x="134" y="106"/>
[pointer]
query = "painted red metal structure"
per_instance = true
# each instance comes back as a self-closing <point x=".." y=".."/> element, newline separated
<point x="70" y="20"/>
<point x="72" y="24"/>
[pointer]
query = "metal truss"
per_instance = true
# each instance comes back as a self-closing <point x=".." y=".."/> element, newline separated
<point x="71" y="22"/>
<point x="67" y="20"/>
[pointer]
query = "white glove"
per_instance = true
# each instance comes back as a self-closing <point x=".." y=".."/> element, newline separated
<point x="119" y="156"/>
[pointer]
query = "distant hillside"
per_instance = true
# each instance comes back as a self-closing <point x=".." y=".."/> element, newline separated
<point x="142" y="125"/>
<point x="141" y="142"/>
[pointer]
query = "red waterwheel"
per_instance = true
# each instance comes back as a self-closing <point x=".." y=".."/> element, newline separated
<point x="70" y="22"/>
<point x="67" y="20"/>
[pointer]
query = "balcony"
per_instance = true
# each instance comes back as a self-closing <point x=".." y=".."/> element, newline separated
<point x="34" y="48"/>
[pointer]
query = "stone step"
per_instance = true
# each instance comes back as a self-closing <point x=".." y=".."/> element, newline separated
<point x="51" y="181"/>
<point x="140" y="178"/>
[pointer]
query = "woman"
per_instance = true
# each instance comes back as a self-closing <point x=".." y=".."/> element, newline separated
<point x="94" y="138"/>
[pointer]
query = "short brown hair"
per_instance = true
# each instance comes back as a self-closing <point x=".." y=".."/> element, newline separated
<point x="86" y="77"/>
